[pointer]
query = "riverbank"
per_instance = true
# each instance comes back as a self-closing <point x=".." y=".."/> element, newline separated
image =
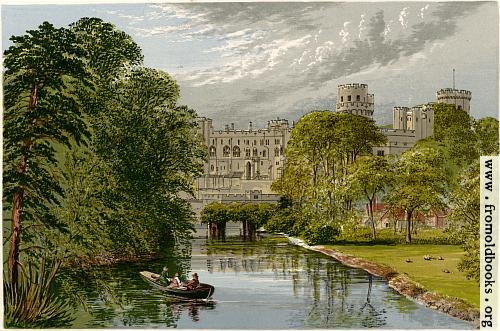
<point x="402" y="284"/>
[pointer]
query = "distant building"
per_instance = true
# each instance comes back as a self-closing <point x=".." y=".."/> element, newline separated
<point x="243" y="163"/>
<point x="459" y="98"/>
<point x="385" y="218"/>
<point x="355" y="99"/>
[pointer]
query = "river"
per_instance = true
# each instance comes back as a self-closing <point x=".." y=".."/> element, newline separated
<point x="262" y="284"/>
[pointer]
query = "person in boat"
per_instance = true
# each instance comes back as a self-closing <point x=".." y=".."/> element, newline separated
<point x="175" y="282"/>
<point x="163" y="278"/>
<point x="193" y="283"/>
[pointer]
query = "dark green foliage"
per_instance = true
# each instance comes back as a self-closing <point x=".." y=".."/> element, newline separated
<point x="98" y="157"/>
<point x="323" y="147"/>
<point x="464" y="220"/>
<point x="150" y="148"/>
<point x="486" y="130"/>
<point x="256" y="214"/>
<point x="317" y="233"/>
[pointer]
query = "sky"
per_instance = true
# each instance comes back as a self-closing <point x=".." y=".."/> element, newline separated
<point x="241" y="62"/>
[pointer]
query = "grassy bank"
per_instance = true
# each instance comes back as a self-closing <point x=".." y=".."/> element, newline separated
<point x="428" y="273"/>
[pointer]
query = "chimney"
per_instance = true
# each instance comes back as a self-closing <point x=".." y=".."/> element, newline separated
<point x="250" y="126"/>
<point x="232" y="126"/>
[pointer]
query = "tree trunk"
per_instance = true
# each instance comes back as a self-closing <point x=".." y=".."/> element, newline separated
<point x="370" y="214"/>
<point x="17" y="205"/>
<point x="408" y="226"/>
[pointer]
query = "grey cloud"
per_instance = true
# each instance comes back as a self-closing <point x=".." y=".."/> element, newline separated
<point x="271" y="87"/>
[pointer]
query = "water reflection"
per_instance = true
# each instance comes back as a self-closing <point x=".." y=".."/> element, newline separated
<point x="263" y="284"/>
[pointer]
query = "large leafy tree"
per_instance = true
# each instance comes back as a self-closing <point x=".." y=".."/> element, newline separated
<point x="370" y="176"/>
<point x="151" y="147"/>
<point x="322" y="148"/>
<point x="419" y="183"/>
<point x="52" y="75"/>
<point x="464" y="219"/>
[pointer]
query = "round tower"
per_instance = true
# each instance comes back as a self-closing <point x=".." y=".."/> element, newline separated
<point x="354" y="99"/>
<point x="459" y="98"/>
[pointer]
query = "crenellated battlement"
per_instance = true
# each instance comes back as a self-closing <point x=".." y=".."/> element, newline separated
<point x="352" y="85"/>
<point x="448" y="92"/>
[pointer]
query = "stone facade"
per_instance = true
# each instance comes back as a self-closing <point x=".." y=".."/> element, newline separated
<point x="354" y="99"/>
<point x="243" y="163"/>
<point x="459" y="98"/>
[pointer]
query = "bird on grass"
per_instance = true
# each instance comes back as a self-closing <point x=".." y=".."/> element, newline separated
<point x="440" y="258"/>
<point x="409" y="261"/>
<point x="446" y="271"/>
<point x="427" y="257"/>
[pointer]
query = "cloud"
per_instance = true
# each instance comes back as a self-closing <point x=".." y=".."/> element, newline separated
<point x="403" y="17"/>
<point x="422" y="10"/>
<point x="361" y="26"/>
<point x="344" y="33"/>
<point x="276" y="56"/>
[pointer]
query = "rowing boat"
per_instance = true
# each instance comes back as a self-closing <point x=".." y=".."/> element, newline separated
<point x="202" y="292"/>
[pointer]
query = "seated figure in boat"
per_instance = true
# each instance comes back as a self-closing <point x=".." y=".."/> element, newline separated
<point x="193" y="283"/>
<point x="175" y="282"/>
<point x="163" y="278"/>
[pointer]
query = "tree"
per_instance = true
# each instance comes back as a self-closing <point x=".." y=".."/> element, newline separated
<point x="322" y="148"/>
<point x="454" y="129"/>
<point x="464" y="220"/>
<point x="42" y="69"/>
<point x="486" y="131"/>
<point x="419" y="183"/>
<point x="370" y="175"/>
<point x="51" y="76"/>
<point x="151" y="146"/>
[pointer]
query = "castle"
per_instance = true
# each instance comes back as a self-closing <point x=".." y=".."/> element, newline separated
<point x="242" y="163"/>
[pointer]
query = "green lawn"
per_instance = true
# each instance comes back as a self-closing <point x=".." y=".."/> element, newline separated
<point x="428" y="273"/>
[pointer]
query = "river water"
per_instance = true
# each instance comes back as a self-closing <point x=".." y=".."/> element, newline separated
<point x="262" y="284"/>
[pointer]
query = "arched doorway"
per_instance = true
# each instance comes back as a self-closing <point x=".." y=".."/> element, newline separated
<point x="248" y="171"/>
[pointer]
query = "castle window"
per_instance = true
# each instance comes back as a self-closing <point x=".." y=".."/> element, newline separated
<point x="212" y="167"/>
<point x="226" y="151"/>
<point x="238" y="141"/>
<point x="264" y="153"/>
<point x="254" y="152"/>
<point x="348" y="98"/>
<point x="341" y="99"/>
<point x="222" y="141"/>
<point x="380" y="153"/>
<point x="247" y="152"/>
<point x="236" y="151"/>
<point x="212" y="151"/>
<point x="276" y="151"/>
<point x="281" y="150"/>
<point x="358" y="98"/>
<point x="267" y="142"/>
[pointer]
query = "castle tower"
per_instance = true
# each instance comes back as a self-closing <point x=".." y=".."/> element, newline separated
<point x="422" y="121"/>
<point x="459" y="98"/>
<point x="354" y="99"/>
<point x="399" y="121"/>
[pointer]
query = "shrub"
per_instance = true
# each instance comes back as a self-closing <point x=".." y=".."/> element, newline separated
<point x="285" y="221"/>
<point x="320" y="233"/>
<point x="35" y="303"/>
